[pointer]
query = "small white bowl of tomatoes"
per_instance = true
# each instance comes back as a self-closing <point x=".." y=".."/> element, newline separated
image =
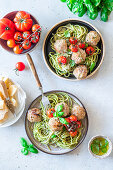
<point x="19" y="32"/>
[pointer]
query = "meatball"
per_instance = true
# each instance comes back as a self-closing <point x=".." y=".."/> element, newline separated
<point x="78" y="111"/>
<point x="80" y="72"/>
<point x="34" y="115"/>
<point x="92" y="38"/>
<point x="79" y="56"/>
<point x="65" y="109"/>
<point x="60" y="46"/>
<point x="55" y="125"/>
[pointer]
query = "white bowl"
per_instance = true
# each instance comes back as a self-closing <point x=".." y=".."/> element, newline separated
<point x="100" y="156"/>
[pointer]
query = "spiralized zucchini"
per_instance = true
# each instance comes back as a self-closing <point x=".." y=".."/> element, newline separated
<point x="80" y="33"/>
<point x="42" y="132"/>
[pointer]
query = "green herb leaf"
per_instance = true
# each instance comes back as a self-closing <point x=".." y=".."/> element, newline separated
<point x="23" y="142"/>
<point x="95" y="149"/>
<point x="60" y="108"/>
<point x="55" y="114"/>
<point x="33" y="150"/>
<point x="24" y="151"/>
<point x="104" y="150"/>
<point x="96" y="141"/>
<point x="63" y="121"/>
<point x="67" y="33"/>
<point x="93" y="64"/>
<point x="72" y="63"/>
<point x="53" y="136"/>
<point x="60" y="114"/>
<point x="103" y="143"/>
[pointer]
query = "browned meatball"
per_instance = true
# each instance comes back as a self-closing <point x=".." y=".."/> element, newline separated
<point x="34" y="115"/>
<point x="60" y="46"/>
<point x="78" y="111"/>
<point x="80" y="72"/>
<point x="92" y="38"/>
<point x="55" y="125"/>
<point x="65" y="108"/>
<point x="79" y="56"/>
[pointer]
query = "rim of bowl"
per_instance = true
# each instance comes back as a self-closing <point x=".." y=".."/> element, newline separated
<point x="36" y="43"/>
<point x="70" y="149"/>
<point x="90" y="75"/>
<point x="101" y="156"/>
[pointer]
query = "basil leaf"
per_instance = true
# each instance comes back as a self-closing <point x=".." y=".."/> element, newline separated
<point x="53" y="136"/>
<point x="60" y="108"/>
<point x="24" y="151"/>
<point x="33" y="150"/>
<point x="60" y="114"/>
<point x="67" y="33"/>
<point x="55" y="114"/>
<point x="63" y="121"/>
<point x="96" y="141"/>
<point x="71" y="63"/>
<point x="93" y="64"/>
<point x="23" y="142"/>
<point x="103" y="143"/>
<point x="104" y="150"/>
<point x="95" y="149"/>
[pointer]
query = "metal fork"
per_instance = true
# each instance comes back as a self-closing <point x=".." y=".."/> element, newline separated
<point x="45" y="100"/>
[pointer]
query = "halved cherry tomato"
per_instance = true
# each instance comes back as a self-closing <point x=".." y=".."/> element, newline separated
<point x="26" y="44"/>
<point x="20" y="66"/>
<point x="73" y="40"/>
<point x="73" y="48"/>
<point x="90" y="50"/>
<point x="81" y="45"/>
<point x="50" y="112"/>
<point x="18" y="49"/>
<point x="26" y="34"/>
<point x="18" y="36"/>
<point x="62" y="60"/>
<point x="73" y="133"/>
<point x="11" y="43"/>
<point x="79" y="124"/>
<point x="35" y="38"/>
<point x="36" y="28"/>
<point x="68" y="119"/>
<point x="73" y="118"/>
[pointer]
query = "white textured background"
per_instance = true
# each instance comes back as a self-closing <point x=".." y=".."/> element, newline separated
<point x="96" y="94"/>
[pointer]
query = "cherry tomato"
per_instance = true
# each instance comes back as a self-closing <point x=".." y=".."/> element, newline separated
<point x="73" y="118"/>
<point x="18" y="49"/>
<point x="90" y="50"/>
<point x="26" y="44"/>
<point x="62" y="60"/>
<point x="26" y="34"/>
<point x="18" y="36"/>
<point x="11" y="43"/>
<point x="35" y="38"/>
<point x="73" y="48"/>
<point x="50" y="112"/>
<point x="73" y="40"/>
<point x="36" y="28"/>
<point x="73" y="133"/>
<point x="81" y="45"/>
<point x="20" y="66"/>
<point x="68" y="119"/>
<point x="79" y="124"/>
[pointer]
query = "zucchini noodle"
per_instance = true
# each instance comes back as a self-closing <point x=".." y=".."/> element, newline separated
<point x="42" y="132"/>
<point x="80" y="33"/>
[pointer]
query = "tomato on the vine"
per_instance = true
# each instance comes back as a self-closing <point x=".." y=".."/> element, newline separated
<point x="73" y="133"/>
<point x="26" y="44"/>
<point x="68" y="119"/>
<point x="20" y="66"/>
<point x="35" y="38"/>
<point x="90" y="50"/>
<point x="18" y="36"/>
<point x="11" y="43"/>
<point x="26" y="34"/>
<point x="73" y="48"/>
<point x="73" y="118"/>
<point x="79" y="124"/>
<point x="81" y="45"/>
<point x="36" y="28"/>
<point x="18" y="49"/>
<point x="62" y="60"/>
<point x="50" y="112"/>
<point x="73" y="40"/>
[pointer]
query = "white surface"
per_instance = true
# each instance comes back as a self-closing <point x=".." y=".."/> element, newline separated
<point x="96" y="94"/>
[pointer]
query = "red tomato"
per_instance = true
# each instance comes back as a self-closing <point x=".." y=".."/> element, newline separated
<point x="7" y="29"/>
<point x="23" y="21"/>
<point x="35" y="38"/>
<point x="26" y="44"/>
<point x="18" y="49"/>
<point x="36" y="28"/>
<point x="73" y="48"/>
<point x="73" y="40"/>
<point x="79" y="124"/>
<point x="50" y="112"/>
<point x="73" y="118"/>
<point x="11" y="43"/>
<point x="68" y="119"/>
<point x="62" y="60"/>
<point x="81" y="45"/>
<point x="20" y="66"/>
<point x="18" y="36"/>
<point x="90" y="50"/>
<point x="73" y="133"/>
<point x="26" y="34"/>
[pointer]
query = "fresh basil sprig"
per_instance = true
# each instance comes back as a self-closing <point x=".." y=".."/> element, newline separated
<point x="63" y="121"/>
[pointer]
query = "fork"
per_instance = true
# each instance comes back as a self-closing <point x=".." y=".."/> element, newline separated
<point x="45" y="100"/>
